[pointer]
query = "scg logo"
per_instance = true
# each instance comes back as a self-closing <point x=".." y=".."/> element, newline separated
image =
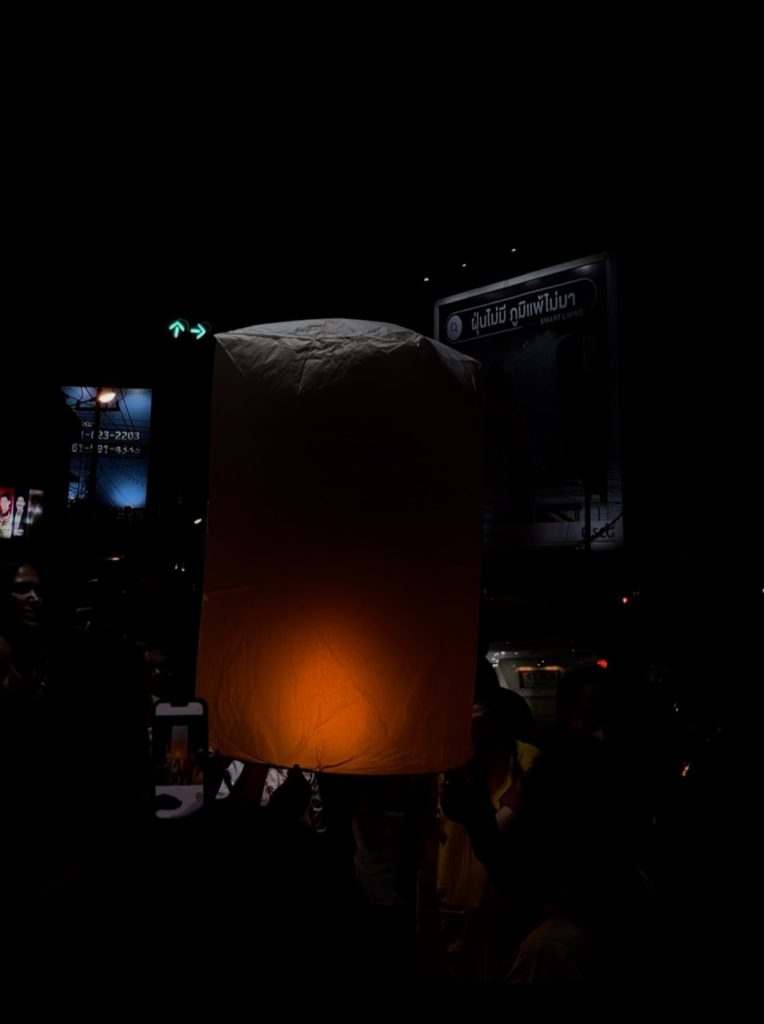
<point x="454" y="327"/>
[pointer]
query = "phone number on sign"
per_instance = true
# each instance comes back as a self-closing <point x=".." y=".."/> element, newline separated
<point x="79" y="448"/>
<point x="119" y="435"/>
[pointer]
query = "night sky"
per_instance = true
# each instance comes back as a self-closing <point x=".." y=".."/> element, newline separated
<point x="98" y="292"/>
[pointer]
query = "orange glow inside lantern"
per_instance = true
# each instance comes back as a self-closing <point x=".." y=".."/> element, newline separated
<point x="343" y="549"/>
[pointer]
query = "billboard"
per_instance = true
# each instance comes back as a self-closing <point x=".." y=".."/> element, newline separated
<point x="112" y="450"/>
<point x="546" y="342"/>
<point x="20" y="511"/>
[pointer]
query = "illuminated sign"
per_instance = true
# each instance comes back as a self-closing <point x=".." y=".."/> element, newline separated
<point x="178" y="327"/>
<point x="546" y="342"/>
<point x="20" y="511"/>
<point x="111" y="453"/>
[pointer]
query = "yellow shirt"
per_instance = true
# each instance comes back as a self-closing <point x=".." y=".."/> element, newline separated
<point x="462" y="881"/>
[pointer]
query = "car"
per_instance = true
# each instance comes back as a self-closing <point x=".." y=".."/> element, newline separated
<point x="530" y="650"/>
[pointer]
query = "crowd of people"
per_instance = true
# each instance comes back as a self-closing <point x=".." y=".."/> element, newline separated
<point x="548" y="857"/>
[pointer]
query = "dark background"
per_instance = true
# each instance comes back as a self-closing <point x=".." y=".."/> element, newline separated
<point x="96" y="304"/>
<point x="121" y="213"/>
<point x="91" y="301"/>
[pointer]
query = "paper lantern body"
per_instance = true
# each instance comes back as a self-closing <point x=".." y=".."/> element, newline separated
<point x="341" y="589"/>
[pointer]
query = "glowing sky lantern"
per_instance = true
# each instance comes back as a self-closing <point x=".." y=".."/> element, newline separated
<point x="339" y="624"/>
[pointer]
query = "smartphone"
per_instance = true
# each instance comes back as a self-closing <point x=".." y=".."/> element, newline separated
<point x="179" y="747"/>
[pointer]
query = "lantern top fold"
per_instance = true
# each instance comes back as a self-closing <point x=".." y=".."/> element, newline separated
<point x="332" y="348"/>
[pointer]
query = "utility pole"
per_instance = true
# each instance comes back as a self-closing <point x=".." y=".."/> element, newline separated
<point x="103" y="396"/>
<point x="93" y="472"/>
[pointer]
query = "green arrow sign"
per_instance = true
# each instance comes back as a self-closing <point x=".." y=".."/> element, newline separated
<point x="177" y="327"/>
<point x="200" y="330"/>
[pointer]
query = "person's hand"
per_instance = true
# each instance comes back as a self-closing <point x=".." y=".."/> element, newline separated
<point x="509" y="801"/>
<point x="462" y="796"/>
<point x="511" y="797"/>
<point x="215" y="772"/>
<point x="290" y="801"/>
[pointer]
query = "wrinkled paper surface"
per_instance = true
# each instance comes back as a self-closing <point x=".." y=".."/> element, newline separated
<point x="343" y="544"/>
